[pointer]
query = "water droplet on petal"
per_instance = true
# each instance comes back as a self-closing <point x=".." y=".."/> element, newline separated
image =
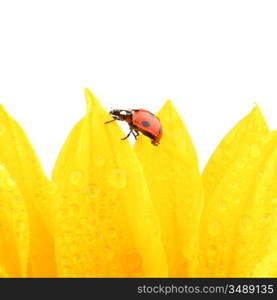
<point x="117" y="178"/>
<point x="76" y="177"/>
<point x="92" y="190"/>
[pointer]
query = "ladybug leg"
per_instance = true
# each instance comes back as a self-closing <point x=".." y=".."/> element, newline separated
<point x="135" y="133"/>
<point x="114" y="119"/>
<point x="126" y="137"/>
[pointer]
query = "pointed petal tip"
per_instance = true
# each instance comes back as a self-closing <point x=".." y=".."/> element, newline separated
<point x="168" y="110"/>
<point x="93" y="103"/>
<point x="256" y="109"/>
<point x="90" y="99"/>
<point x="259" y="115"/>
<point x="256" y="114"/>
<point x="168" y="104"/>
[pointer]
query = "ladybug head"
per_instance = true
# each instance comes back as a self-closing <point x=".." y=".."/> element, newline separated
<point x="114" y="112"/>
<point x="121" y="114"/>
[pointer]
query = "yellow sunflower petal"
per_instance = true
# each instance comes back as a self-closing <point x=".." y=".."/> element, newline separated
<point x="14" y="228"/>
<point x="246" y="132"/>
<point x="106" y="225"/>
<point x="261" y="241"/>
<point x="171" y="170"/>
<point x="40" y="197"/>
<point x="257" y="223"/>
<point x="230" y="179"/>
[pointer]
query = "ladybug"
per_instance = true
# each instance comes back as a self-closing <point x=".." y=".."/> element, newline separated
<point x="139" y="120"/>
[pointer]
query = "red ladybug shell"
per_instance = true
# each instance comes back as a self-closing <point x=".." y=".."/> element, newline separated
<point x="147" y="122"/>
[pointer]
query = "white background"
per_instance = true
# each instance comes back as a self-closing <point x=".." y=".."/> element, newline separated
<point x="214" y="59"/>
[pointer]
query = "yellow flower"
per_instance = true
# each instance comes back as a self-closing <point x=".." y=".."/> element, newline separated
<point x="28" y="207"/>
<point x="239" y="217"/>
<point x="113" y="210"/>
<point x="106" y="222"/>
<point x="174" y="182"/>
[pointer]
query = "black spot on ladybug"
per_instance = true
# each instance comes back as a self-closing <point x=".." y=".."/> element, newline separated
<point x="152" y="115"/>
<point x="145" y="124"/>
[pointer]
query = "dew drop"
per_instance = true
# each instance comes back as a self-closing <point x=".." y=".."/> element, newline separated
<point x="92" y="191"/>
<point x="76" y="177"/>
<point x="117" y="178"/>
